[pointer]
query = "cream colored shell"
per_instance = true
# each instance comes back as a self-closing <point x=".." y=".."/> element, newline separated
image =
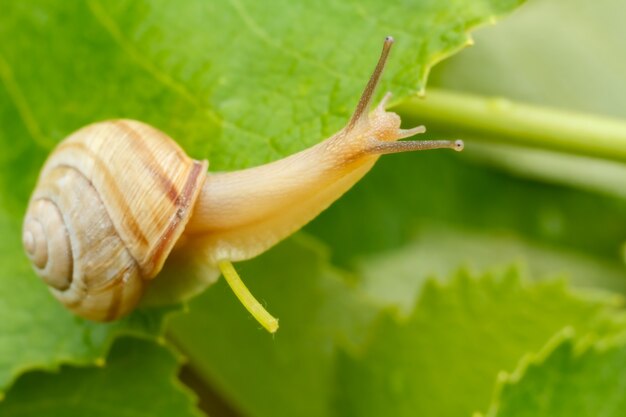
<point x="111" y="202"/>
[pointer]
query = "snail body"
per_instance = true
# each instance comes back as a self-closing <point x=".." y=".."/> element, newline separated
<point x="116" y="198"/>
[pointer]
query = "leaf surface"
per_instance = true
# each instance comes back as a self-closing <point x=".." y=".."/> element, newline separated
<point x="341" y="351"/>
<point x="289" y="373"/>
<point x="139" y="380"/>
<point x="445" y="358"/>
<point x="236" y="82"/>
<point x="566" y="380"/>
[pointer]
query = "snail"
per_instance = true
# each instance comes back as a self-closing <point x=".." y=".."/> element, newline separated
<point x="116" y="198"/>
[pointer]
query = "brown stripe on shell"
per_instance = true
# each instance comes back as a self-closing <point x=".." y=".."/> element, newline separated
<point x="148" y="160"/>
<point x="116" y="298"/>
<point x="118" y="294"/>
<point x="182" y="203"/>
<point x="109" y="179"/>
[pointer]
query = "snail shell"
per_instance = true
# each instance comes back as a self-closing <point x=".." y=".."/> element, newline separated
<point x="133" y="189"/>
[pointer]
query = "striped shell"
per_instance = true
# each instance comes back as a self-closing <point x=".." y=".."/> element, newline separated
<point x="111" y="202"/>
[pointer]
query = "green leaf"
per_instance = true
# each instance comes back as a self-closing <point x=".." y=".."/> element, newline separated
<point x="289" y="373"/>
<point x="566" y="380"/>
<point x="443" y="360"/>
<point x="396" y="277"/>
<point x="236" y="82"/>
<point x="139" y="379"/>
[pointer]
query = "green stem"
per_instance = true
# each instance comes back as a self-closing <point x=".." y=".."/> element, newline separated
<point x="269" y="322"/>
<point x="500" y="120"/>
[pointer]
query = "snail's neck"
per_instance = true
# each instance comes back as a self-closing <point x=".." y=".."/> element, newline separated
<point x="241" y="214"/>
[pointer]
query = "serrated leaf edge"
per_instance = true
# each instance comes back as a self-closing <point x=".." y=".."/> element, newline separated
<point x="580" y="345"/>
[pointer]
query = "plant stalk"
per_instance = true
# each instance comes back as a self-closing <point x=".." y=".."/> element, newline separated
<point x="503" y="121"/>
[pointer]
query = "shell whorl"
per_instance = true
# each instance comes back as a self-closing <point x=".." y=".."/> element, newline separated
<point x="47" y="244"/>
<point x="111" y="202"/>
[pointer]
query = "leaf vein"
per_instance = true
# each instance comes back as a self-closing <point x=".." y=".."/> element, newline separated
<point x="22" y="105"/>
<point x="114" y="31"/>
<point x="258" y="31"/>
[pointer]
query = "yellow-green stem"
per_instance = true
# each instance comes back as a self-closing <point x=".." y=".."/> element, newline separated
<point x="504" y="121"/>
<point x="269" y="322"/>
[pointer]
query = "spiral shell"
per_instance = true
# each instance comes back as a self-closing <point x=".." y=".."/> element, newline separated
<point x="111" y="202"/>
